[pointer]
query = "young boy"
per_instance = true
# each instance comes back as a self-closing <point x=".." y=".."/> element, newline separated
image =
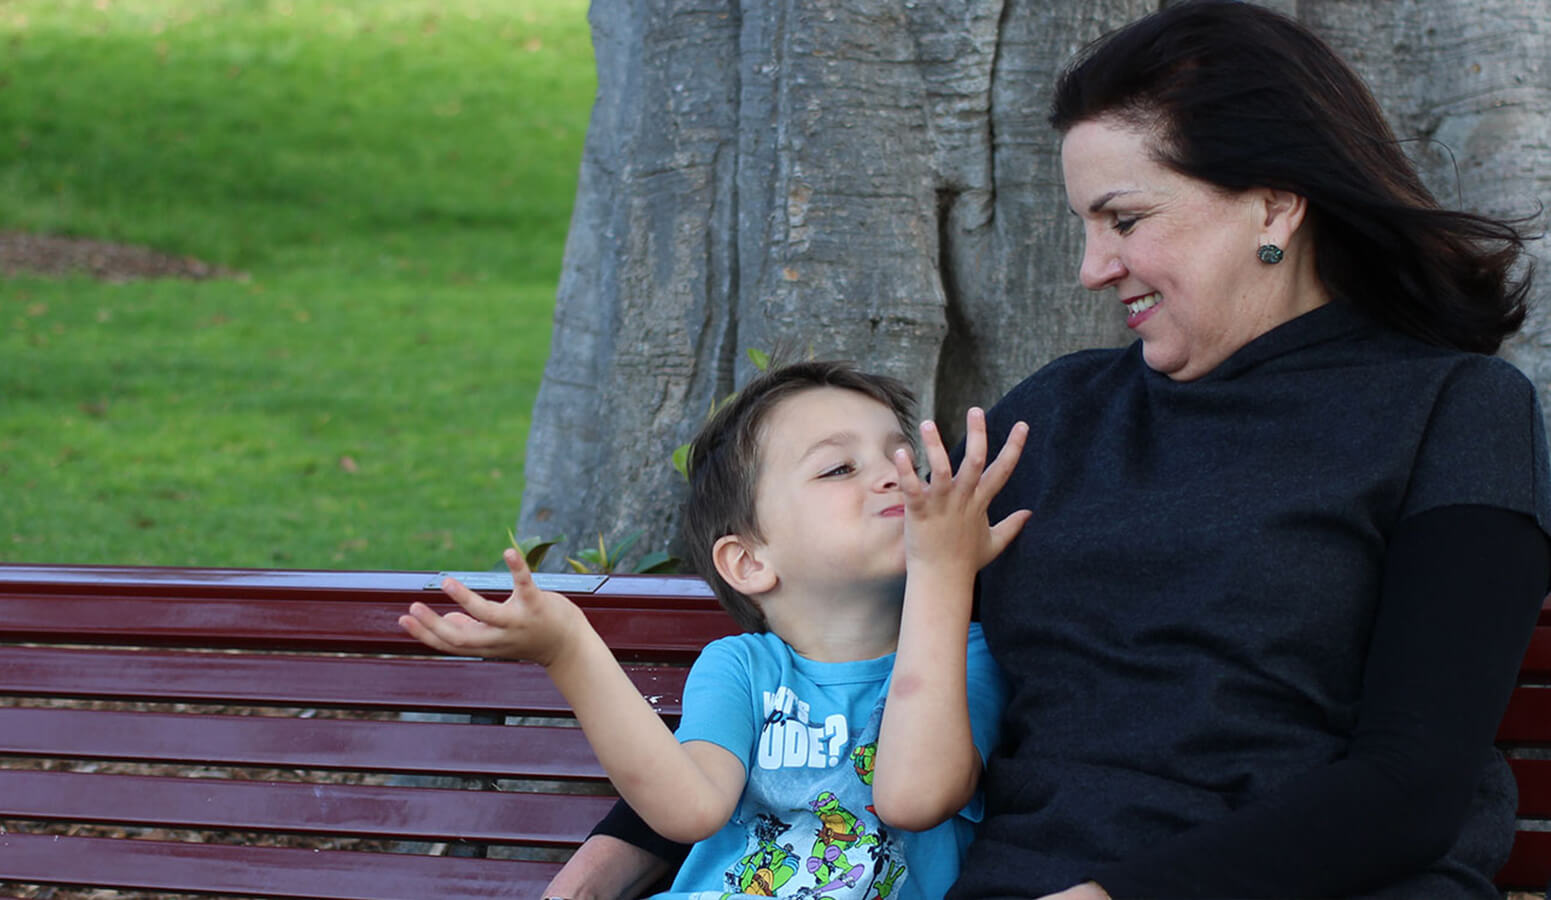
<point x="853" y="578"/>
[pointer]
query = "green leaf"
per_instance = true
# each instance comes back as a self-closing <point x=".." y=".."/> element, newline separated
<point x="593" y="560"/>
<point x="759" y="358"/>
<point x="658" y="562"/>
<point x="533" y="549"/>
<point x="535" y="554"/>
<point x="681" y="460"/>
<point x="717" y="406"/>
<point x="623" y="547"/>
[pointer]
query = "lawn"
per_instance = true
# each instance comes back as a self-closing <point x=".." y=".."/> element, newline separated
<point x="390" y="179"/>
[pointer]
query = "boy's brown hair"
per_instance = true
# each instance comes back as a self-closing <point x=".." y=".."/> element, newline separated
<point x="724" y="462"/>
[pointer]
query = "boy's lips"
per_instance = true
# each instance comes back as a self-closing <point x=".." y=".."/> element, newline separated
<point x="897" y="509"/>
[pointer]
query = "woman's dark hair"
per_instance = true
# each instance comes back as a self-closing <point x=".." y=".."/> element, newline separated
<point x="724" y="462"/>
<point x="1242" y="97"/>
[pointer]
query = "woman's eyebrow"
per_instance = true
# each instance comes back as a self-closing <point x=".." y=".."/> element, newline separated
<point x="1099" y="204"/>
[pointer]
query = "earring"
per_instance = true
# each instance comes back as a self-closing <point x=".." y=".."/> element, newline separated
<point x="1270" y="254"/>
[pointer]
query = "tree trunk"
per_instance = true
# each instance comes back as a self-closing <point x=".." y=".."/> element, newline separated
<point x="1468" y="84"/>
<point x="874" y="180"/>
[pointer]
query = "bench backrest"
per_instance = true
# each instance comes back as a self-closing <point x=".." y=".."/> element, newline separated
<point x="285" y="692"/>
<point x="1525" y="736"/>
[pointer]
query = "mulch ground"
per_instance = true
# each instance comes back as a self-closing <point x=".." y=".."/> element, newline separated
<point x="54" y="255"/>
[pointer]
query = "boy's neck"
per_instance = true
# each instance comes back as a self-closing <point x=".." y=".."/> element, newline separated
<point x="845" y="625"/>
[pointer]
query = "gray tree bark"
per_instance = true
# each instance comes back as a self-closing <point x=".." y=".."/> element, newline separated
<point x="874" y="180"/>
<point x="1468" y="85"/>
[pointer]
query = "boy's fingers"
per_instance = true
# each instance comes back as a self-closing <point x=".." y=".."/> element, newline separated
<point x="974" y="443"/>
<point x="905" y="468"/>
<point x="936" y="454"/>
<point x="1003" y="532"/>
<point x="452" y="629"/>
<point x="475" y="605"/>
<point x="515" y="562"/>
<point x="1001" y="468"/>
<point x="523" y="585"/>
<point x="418" y="630"/>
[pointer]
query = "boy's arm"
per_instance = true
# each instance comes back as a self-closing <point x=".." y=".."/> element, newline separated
<point x="927" y="766"/>
<point x="684" y="791"/>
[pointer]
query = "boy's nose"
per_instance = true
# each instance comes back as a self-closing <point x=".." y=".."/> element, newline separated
<point x="887" y="478"/>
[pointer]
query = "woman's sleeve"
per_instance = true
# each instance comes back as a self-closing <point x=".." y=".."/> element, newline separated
<point x="623" y="823"/>
<point x="1462" y="587"/>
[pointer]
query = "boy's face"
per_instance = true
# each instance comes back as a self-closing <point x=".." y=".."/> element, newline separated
<point x="827" y="500"/>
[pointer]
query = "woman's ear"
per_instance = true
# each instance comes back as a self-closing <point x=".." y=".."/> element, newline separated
<point x="741" y="565"/>
<point x="1284" y="214"/>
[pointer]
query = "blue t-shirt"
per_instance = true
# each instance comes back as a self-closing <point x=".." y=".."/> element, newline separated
<point x="806" y="732"/>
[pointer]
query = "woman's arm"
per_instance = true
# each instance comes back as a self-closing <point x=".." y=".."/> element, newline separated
<point x="1461" y="591"/>
<point x="606" y="868"/>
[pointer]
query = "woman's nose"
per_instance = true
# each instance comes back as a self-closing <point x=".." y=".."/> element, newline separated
<point x="1101" y="266"/>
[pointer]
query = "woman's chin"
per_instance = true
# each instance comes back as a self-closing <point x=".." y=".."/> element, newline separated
<point x="1166" y="360"/>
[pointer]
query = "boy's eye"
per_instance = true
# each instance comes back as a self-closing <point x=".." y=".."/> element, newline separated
<point x="842" y="469"/>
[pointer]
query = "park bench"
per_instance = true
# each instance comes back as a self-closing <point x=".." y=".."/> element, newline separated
<point x="244" y="676"/>
<point x="239" y="732"/>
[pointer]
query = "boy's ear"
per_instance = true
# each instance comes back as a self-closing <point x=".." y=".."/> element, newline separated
<point x="741" y="566"/>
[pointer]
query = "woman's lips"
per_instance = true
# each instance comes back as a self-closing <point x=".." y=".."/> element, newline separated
<point x="1139" y="309"/>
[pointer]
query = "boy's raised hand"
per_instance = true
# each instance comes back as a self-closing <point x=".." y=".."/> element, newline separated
<point x="530" y="624"/>
<point x="945" y="518"/>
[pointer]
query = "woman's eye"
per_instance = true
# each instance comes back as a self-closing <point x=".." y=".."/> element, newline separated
<point x="1124" y="226"/>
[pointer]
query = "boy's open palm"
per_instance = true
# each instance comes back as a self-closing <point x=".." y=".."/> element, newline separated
<point x="530" y="624"/>
<point x="945" y="518"/>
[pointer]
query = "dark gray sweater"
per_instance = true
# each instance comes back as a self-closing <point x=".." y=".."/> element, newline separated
<point x="1256" y="642"/>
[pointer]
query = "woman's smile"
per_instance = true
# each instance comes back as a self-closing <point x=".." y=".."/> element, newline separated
<point x="1137" y="308"/>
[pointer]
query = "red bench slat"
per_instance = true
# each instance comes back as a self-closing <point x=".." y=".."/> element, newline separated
<point x="305" y="624"/>
<point x="1534" y="778"/>
<point x="1529" y="865"/>
<point x="1537" y="662"/>
<point x="367" y="811"/>
<point x="289" y="680"/>
<point x="1528" y="718"/>
<point x="492" y="751"/>
<point x="263" y="871"/>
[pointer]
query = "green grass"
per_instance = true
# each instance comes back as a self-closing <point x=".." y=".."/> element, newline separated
<point x="394" y="178"/>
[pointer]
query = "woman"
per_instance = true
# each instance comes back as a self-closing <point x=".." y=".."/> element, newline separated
<point x="1287" y="548"/>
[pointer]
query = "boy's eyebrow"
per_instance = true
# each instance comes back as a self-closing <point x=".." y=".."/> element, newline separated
<point x="842" y="439"/>
<point x="838" y="439"/>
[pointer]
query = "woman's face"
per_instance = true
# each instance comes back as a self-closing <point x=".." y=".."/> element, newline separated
<point x="1180" y="254"/>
